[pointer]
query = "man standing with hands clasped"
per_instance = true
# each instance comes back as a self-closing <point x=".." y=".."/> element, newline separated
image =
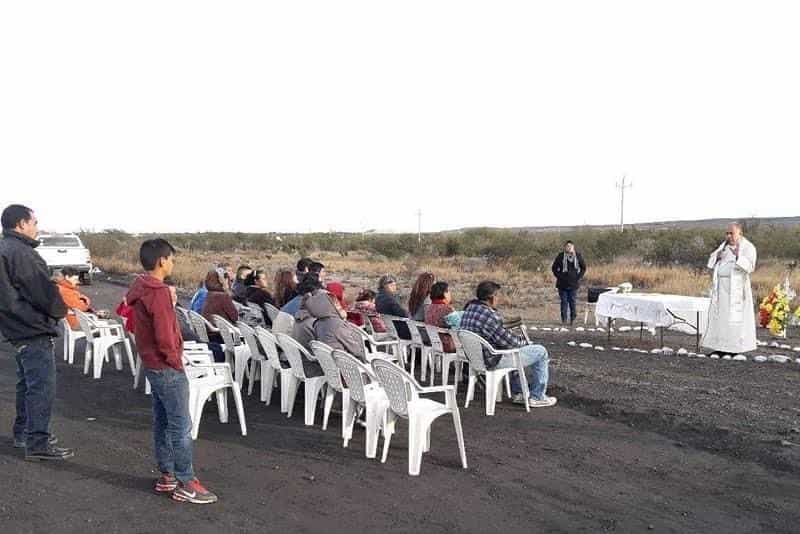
<point x="568" y="268"/>
<point x="30" y="307"/>
<point x="731" y="316"/>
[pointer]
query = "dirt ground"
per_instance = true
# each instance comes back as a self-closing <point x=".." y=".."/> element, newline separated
<point x="637" y="442"/>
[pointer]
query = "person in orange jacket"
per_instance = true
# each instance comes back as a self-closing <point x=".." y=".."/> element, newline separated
<point x="68" y="287"/>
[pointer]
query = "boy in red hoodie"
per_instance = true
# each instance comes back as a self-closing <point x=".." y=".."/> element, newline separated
<point x="158" y="340"/>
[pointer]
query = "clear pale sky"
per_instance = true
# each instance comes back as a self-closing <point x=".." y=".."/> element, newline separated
<point x="335" y="115"/>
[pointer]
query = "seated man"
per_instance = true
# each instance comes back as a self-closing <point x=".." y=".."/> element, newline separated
<point x="482" y="317"/>
<point x="74" y="299"/>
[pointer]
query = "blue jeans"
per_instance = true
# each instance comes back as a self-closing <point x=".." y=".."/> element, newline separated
<point x="535" y="362"/>
<point x="36" y="391"/>
<point x="567" y="297"/>
<point x="172" y="426"/>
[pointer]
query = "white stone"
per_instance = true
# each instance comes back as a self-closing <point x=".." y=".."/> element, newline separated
<point x="580" y="329"/>
<point x="590" y="329"/>
<point x="572" y="343"/>
<point x="691" y="354"/>
<point x="761" y="343"/>
<point x="585" y="345"/>
<point x="775" y="345"/>
<point x="532" y="328"/>
<point x="546" y="329"/>
<point x="777" y="358"/>
<point x="726" y="357"/>
<point x="667" y="351"/>
<point x="601" y="329"/>
<point x="740" y="358"/>
<point x="640" y="351"/>
<point x="797" y="360"/>
<point x="562" y="329"/>
<point x="714" y="356"/>
<point x="759" y="359"/>
<point x="655" y="351"/>
<point x="682" y="352"/>
<point x="786" y="347"/>
<point x="796" y="349"/>
<point x="701" y="355"/>
<point x="624" y="329"/>
<point x="599" y="348"/>
<point x="615" y="348"/>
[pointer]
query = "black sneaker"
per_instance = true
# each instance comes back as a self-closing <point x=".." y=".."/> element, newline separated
<point x="51" y="453"/>
<point x="20" y="444"/>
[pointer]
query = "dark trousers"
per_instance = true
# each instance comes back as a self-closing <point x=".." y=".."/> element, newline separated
<point x="568" y="312"/>
<point x="36" y="390"/>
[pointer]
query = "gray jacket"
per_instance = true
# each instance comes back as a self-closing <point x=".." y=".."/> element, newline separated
<point x="319" y="319"/>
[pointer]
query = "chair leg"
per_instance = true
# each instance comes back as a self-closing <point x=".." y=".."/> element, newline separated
<point x="330" y="393"/>
<point x="388" y="430"/>
<point x="98" y="354"/>
<point x="470" y="390"/>
<point x="415" y="438"/>
<point x="374" y="420"/>
<point x="291" y="395"/>
<point x="222" y="404"/>
<point x="491" y="393"/>
<point x="127" y="346"/>
<point x="137" y="372"/>
<point x="348" y="418"/>
<point x="252" y="374"/>
<point x="267" y="380"/>
<point x="237" y="399"/>
<point x="87" y="355"/>
<point x="286" y="379"/>
<point x="508" y="386"/>
<point x="459" y="436"/>
<point x="312" y="390"/>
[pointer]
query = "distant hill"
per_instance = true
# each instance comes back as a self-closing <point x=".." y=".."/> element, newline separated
<point x="664" y="225"/>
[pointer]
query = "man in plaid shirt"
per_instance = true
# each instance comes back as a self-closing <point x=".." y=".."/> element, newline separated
<point x="482" y="317"/>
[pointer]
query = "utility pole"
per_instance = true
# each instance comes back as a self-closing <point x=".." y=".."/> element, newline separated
<point x="622" y="186"/>
<point x="419" y="226"/>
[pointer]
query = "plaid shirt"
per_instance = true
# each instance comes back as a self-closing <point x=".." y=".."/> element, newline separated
<point x="488" y="323"/>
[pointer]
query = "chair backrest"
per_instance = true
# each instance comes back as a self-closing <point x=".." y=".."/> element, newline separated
<point x="228" y="332"/>
<point x="367" y="324"/>
<point x="184" y="312"/>
<point x="198" y="323"/>
<point x="353" y="373"/>
<point x="294" y="353"/>
<point x="422" y="331"/>
<point x="400" y="387"/>
<point x="270" y="346"/>
<point x="272" y="311"/>
<point x="433" y="335"/>
<point x="391" y="326"/>
<point x="473" y="345"/>
<point x="283" y="323"/>
<point x="324" y="356"/>
<point x="251" y="314"/>
<point x="411" y="324"/>
<point x="86" y="322"/>
<point x="249" y="336"/>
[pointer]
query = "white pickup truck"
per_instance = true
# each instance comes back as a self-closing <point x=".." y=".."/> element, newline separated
<point x="66" y="250"/>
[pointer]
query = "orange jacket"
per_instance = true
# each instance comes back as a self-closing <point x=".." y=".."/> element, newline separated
<point x="73" y="299"/>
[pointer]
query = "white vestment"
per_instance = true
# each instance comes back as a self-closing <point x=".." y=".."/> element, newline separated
<point x="731" y="316"/>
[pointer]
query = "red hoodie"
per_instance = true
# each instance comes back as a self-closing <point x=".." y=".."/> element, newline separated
<point x="158" y="337"/>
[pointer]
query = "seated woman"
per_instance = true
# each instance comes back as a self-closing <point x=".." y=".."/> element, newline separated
<point x="365" y="305"/>
<point x="256" y="292"/>
<point x="438" y="310"/>
<point x="285" y="287"/>
<point x="187" y="332"/>
<point x="420" y="297"/>
<point x="74" y="299"/>
<point x="218" y="301"/>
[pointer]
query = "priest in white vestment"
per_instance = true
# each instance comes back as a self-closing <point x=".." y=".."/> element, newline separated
<point x="731" y="316"/>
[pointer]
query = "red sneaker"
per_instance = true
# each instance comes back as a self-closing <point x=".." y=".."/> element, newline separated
<point x="166" y="482"/>
<point x="193" y="492"/>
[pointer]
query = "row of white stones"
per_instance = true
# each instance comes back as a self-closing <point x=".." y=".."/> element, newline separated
<point x="667" y="351"/>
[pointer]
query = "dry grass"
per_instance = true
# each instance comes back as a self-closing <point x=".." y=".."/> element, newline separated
<point x="531" y="294"/>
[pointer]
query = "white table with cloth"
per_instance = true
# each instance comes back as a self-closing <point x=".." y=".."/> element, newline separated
<point x="675" y="312"/>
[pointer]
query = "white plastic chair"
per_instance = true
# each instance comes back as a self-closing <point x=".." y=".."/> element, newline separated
<point x="447" y="358"/>
<point x="283" y="323"/>
<point x="474" y="346"/>
<point x="102" y="336"/>
<point x="201" y="326"/>
<point x="424" y="350"/>
<point x="258" y="359"/>
<point x="270" y="346"/>
<point x="236" y="351"/>
<point x="206" y="379"/>
<point x="312" y="385"/>
<point x="371" y="343"/>
<point x="405" y="401"/>
<point x="70" y="337"/>
<point x="250" y="314"/>
<point x="403" y="344"/>
<point x="323" y="353"/>
<point x="272" y="311"/>
<point x="361" y="391"/>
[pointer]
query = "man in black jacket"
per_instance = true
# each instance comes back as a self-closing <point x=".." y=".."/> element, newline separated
<point x="568" y="268"/>
<point x="30" y="307"/>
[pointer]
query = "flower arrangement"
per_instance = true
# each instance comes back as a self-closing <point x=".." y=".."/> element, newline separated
<point x="774" y="311"/>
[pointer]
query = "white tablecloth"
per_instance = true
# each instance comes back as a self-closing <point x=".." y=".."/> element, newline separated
<point x="654" y="309"/>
